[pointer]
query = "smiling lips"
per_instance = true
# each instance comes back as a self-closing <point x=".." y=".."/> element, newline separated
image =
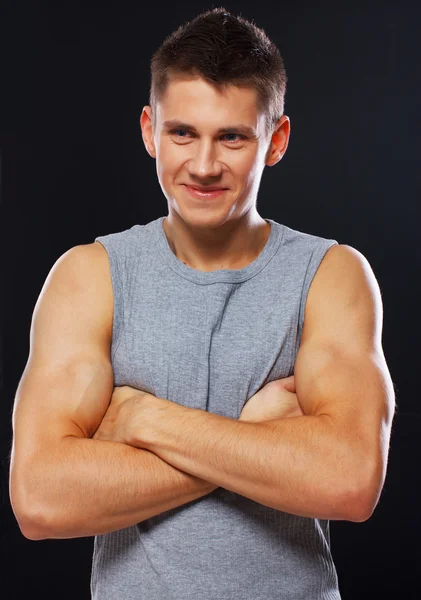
<point x="204" y="193"/>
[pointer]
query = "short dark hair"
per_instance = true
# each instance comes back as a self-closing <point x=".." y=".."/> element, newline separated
<point x="223" y="49"/>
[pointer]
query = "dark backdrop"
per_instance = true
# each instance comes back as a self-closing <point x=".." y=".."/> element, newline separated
<point x="74" y="80"/>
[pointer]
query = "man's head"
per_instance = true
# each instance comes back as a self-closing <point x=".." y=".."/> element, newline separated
<point x="212" y="73"/>
<point x="223" y="49"/>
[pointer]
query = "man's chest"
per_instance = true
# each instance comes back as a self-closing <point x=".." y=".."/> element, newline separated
<point x="211" y="347"/>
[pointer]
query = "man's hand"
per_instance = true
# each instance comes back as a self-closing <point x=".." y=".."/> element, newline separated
<point x="129" y="416"/>
<point x="132" y="413"/>
<point x="277" y="399"/>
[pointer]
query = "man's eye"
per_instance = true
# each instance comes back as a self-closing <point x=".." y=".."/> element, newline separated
<point x="179" y="133"/>
<point x="176" y="132"/>
<point x="239" y="137"/>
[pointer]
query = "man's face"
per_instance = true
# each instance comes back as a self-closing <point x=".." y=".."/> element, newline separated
<point x="192" y="150"/>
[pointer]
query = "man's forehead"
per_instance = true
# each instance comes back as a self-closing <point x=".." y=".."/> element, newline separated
<point x="233" y="108"/>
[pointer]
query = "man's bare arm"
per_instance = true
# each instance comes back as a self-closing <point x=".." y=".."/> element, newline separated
<point x="331" y="462"/>
<point x="79" y="487"/>
<point x="63" y="484"/>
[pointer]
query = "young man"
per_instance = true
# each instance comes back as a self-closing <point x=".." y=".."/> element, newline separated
<point x="205" y="392"/>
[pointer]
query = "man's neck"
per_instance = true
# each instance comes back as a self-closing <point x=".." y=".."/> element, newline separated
<point x="232" y="247"/>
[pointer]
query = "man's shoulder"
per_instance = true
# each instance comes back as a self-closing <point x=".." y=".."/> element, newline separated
<point x="82" y="264"/>
<point x="344" y="281"/>
<point x="344" y="262"/>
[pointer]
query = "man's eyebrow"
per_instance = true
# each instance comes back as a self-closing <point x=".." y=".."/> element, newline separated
<point x="245" y="129"/>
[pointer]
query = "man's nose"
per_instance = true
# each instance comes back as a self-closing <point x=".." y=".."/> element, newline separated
<point x="204" y="162"/>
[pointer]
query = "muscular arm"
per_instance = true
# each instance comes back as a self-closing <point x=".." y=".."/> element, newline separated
<point x="63" y="484"/>
<point x="331" y="462"/>
<point x="87" y="487"/>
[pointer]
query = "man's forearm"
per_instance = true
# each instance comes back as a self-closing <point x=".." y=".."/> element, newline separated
<point x="299" y="465"/>
<point x="88" y="487"/>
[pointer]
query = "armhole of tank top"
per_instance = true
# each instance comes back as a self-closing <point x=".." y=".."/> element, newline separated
<point x="117" y="284"/>
<point x="316" y="258"/>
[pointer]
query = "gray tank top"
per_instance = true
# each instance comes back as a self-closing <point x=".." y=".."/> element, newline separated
<point x="211" y="340"/>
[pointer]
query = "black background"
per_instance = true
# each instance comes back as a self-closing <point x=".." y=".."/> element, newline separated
<point x="75" y="77"/>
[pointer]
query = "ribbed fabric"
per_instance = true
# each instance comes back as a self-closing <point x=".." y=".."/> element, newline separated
<point x="211" y="340"/>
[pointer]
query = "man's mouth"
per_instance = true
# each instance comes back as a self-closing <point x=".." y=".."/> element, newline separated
<point x="204" y="192"/>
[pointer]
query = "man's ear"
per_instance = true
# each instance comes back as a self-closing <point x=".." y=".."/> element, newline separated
<point x="147" y="133"/>
<point x="279" y="141"/>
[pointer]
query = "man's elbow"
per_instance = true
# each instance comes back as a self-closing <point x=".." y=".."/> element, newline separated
<point x="360" y="512"/>
<point x="32" y="531"/>
<point x="33" y="526"/>
<point x="359" y="505"/>
<point x="31" y="516"/>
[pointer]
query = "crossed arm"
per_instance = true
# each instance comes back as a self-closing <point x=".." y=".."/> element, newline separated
<point x="330" y="463"/>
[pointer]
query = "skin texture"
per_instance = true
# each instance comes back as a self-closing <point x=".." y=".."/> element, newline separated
<point x="332" y="461"/>
<point x="226" y="232"/>
<point x="334" y="456"/>
<point x="132" y="416"/>
<point x="328" y="462"/>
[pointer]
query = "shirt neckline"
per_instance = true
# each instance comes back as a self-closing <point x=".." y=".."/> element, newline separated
<point x="220" y="275"/>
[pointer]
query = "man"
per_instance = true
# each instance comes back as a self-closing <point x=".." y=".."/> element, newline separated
<point x="205" y="392"/>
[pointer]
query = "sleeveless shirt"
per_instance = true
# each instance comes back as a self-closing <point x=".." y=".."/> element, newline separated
<point x="211" y="340"/>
